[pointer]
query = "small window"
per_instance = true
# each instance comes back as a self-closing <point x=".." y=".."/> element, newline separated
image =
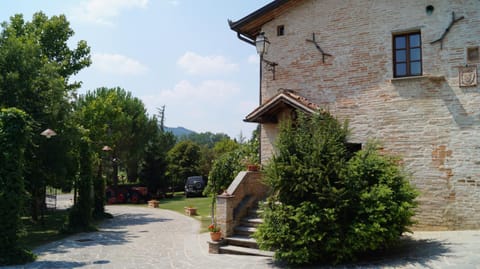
<point x="407" y="55"/>
<point x="473" y="56"/>
<point x="280" y="30"/>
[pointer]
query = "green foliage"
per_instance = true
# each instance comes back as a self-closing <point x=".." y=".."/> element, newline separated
<point x="154" y="165"/>
<point x="325" y="207"/>
<point x="208" y="139"/>
<point x="36" y="65"/>
<point x="14" y="138"/>
<point x="117" y="119"/>
<point x="183" y="161"/>
<point x="229" y="163"/>
<point x="99" y="186"/>
<point x="381" y="200"/>
<point x="80" y="217"/>
<point x="225" y="146"/>
<point x="207" y="142"/>
<point x="223" y="172"/>
<point x="310" y="157"/>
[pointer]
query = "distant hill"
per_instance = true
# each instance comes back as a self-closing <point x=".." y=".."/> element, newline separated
<point x="179" y="131"/>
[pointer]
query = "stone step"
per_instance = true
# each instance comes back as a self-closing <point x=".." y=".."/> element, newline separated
<point x="254" y="212"/>
<point x="242" y="241"/>
<point x="251" y="221"/>
<point x="229" y="249"/>
<point x="245" y="230"/>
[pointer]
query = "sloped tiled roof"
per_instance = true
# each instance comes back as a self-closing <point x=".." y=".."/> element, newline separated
<point x="284" y="98"/>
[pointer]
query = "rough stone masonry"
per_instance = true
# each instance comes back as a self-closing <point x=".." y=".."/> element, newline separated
<point x="430" y="120"/>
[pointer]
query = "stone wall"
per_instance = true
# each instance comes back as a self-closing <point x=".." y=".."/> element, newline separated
<point x="429" y="121"/>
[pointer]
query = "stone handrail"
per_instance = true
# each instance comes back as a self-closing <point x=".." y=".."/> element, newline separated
<point x="243" y="193"/>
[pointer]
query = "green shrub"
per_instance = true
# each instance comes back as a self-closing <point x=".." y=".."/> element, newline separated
<point x="224" y="170"/>
<point x="99" y="186"/>
<point x="80" y="216"/>
<point x="325" y="207"/>
<point x="381" y="200"/>
<point x="14" y="138"/>
<point x="226" y="167"/>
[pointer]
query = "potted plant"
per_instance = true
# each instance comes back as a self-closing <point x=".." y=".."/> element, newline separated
<point x="190" y="210"/>
<point x="251" y="163"/>
<point x="153" y="203"/>
<point x="215" y="233"/>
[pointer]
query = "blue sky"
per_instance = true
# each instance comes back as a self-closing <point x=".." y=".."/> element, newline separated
<point x="177" y="53"/>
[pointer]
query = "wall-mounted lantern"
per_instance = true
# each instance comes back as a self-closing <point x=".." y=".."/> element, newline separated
<point x="262" y="44"/>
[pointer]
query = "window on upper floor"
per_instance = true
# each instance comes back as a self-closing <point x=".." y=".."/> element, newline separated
<point x="280" y="30"/>
<point x="407" y="55"/>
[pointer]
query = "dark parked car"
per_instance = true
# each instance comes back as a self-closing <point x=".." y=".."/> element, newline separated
<point x="194" y="186"/>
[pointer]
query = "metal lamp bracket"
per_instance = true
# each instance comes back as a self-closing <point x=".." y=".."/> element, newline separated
<point x="318" y="47"/>
<point x="454" y="20"/>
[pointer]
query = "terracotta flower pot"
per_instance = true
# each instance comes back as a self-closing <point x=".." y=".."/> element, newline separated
<point x="252" y="167"/>
<point x="215" y="236"/>
<point x="190" y="211"/>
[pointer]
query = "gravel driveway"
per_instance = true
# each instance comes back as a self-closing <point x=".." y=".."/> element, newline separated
<point x="140" y="237"/>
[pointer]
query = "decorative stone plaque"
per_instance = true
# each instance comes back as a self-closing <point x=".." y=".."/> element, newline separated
<point x="467" y="76"/>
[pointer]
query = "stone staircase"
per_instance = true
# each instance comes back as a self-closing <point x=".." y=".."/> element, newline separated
<point x="242" y="242"/>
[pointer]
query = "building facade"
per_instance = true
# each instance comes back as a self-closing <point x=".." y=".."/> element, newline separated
<point x="403" y="72"/>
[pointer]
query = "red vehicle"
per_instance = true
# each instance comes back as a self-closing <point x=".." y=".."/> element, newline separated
<point x="126" y="194"/>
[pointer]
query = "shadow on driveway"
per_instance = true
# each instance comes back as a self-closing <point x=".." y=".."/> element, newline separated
<point x="113" y="231"/>
<point x="409" y="253"/>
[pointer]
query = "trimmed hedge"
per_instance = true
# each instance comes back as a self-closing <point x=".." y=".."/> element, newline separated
<point x="80" y="216"/>
<point x="14" y="138"/>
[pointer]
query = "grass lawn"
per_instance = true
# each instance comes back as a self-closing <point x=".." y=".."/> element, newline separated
<point x="203" y="205"/>
<point x="37" y="234"/>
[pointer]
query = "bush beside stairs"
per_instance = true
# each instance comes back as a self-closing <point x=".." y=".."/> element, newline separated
<point x="242" y="242"/>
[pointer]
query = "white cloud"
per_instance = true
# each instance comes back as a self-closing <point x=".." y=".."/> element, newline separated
<point x="210" y="105"/>
<point x="207" y="90"/>
<point x="117" y="64"/>
<point x="197" y="64"/>
<point x="103" y="11"/>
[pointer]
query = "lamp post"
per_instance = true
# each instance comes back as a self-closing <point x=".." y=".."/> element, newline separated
<point x="114" y="165"/>
<point x="262" y="44"/>
<point x="48" y="133"/>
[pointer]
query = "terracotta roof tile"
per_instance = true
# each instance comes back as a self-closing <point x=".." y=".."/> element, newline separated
<point x="266" y="111"/>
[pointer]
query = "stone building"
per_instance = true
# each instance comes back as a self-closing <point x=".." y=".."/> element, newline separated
<point x="403" y="72"/>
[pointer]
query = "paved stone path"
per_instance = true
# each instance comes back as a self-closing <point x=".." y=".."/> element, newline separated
<point x="140" y="237"/>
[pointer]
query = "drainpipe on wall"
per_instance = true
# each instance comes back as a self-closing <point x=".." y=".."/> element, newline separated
<point x="251" y="42"/>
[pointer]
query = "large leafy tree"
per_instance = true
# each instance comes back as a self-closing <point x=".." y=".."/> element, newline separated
<point x="118" y="120"/>
<point x="154" y="167"/>
<point x="36" y="65"/>
<point x="184" y="159"/>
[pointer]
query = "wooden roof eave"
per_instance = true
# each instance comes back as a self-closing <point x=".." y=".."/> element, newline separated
<point x="251" y="25"/>
<point x="266" y="113"/>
